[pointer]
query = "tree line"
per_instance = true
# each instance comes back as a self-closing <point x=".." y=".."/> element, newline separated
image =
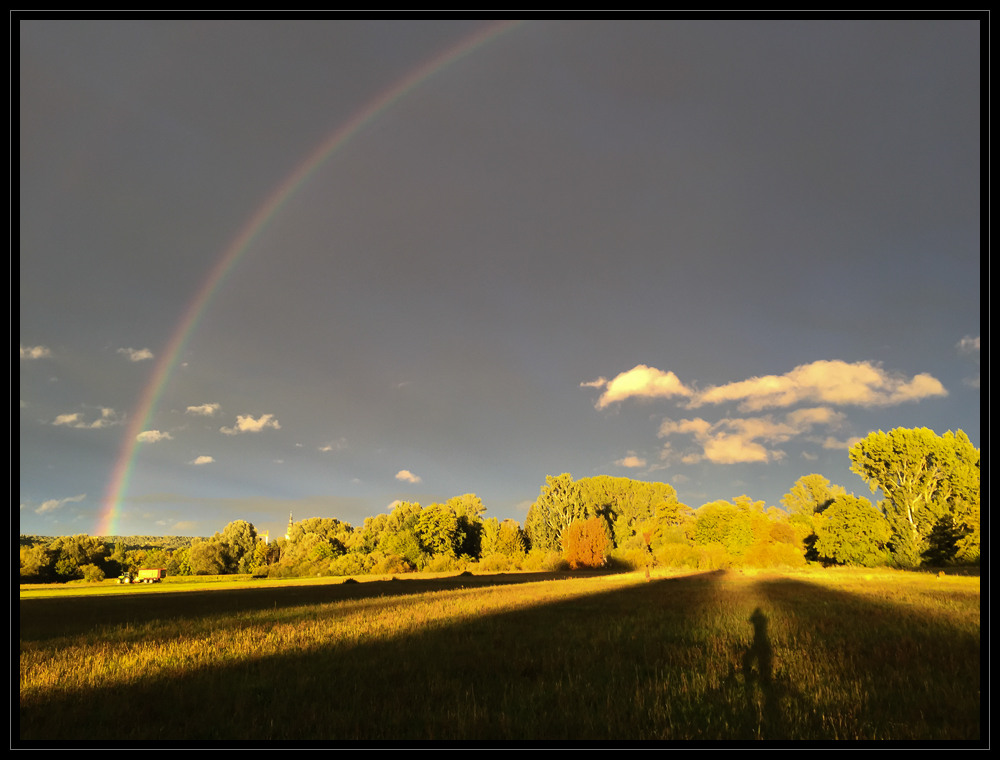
<point x="929" y="514"/>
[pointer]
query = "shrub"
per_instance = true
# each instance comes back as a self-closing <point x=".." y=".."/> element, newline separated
<point x="92" y="573"/>
<point x="495" y="563"/>
<point x="678" y="555"/>
<point x="773" y="554"/>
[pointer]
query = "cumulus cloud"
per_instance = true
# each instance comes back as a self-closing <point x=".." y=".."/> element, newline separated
<point x="53" y="504"/>
<point x="153" y="436"/>
<point x="339" y="445"/>
<point x="136" y="354"/>
<point x="203" y="410"/>
<point x="35" y="352"/>
<point x="407" y="476"/>
<point x="631" y="461"/>
<point x="203" y="459"/>
<point x="747" y="439"/>
<point x="639" y="382"/>
<point x="77" y="420"/>
<point x="247" y="424"/>
<point x="825" y="382"/>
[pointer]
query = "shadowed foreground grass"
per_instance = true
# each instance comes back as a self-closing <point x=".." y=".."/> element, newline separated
<point x="708" y="656"/>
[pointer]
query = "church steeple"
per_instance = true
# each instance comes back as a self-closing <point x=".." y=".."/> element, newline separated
<point x="288" y="533"/>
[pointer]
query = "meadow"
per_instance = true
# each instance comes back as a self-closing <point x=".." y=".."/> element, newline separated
<point x="818" y="655"/>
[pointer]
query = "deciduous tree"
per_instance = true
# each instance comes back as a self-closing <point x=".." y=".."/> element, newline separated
<point x="853" y="532"/>
<point x="927" y="480"/>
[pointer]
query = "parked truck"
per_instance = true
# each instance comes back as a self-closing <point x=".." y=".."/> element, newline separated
<point x="146" y="575"/>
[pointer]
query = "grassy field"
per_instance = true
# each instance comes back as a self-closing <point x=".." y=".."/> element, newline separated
<point x="825" y="655"/>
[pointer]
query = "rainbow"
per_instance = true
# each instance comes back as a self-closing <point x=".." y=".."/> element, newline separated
<point x="166" y="362"/>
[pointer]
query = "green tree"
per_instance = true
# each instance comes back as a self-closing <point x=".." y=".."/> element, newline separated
<point x="853" y="532"/>
<point x="469" y="509"/>
<point x="811" y="494"/>
<point x="438" y="530"/>
<point x="927" y="480"/>
<point x="558" y="504"/>
<point x="208" y="557"/>
<point x="71" y="553"/>
<point x="504" y="538"/>
<point x="240" y="539"/>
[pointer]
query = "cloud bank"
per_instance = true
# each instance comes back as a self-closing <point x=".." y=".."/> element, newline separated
<point x="821" y="382"/>
<point x="817" y="389"/>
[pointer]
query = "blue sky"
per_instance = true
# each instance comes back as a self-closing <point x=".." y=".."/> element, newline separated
<point x="708" y="253"/>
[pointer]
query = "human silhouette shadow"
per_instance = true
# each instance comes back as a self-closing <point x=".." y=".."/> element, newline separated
<point x="768" y="697"/>
<point x="757" y="659"/>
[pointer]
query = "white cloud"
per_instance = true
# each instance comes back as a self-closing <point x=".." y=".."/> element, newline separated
<point x="247" y="424"/>
<point x="743" y="439"/>
<point x="204" y="410"/>
<point x="826" y="382"/>
<point x="407" y="476"/>
<point x="108" y="418"/>
<point x="203" y="459"/>
<point x="35" y="352"/>
<point x="639" y="382"/>
<point x="969" y="345"/>
<point x="339" y="445"/>
<point x="53" y="504"/>
<point x="631" y="461"/>
<point x="153" y="436"/>
<point x="136" y="354"/>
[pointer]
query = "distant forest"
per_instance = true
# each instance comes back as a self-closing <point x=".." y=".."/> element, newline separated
<point x="929" y="515"/>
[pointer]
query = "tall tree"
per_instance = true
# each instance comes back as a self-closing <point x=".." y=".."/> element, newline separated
<point x="557" y="506"/>
<point x="926" y="480"/>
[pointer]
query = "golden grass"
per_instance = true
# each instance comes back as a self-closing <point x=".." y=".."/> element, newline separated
<point x="744" y="656"/>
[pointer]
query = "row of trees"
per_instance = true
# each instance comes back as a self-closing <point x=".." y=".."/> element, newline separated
<point x="929" y="514"/>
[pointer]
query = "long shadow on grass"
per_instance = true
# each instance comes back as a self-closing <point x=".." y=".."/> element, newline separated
<point x="586" y="667"/>
<point x="916" y="672"/>
<point x="641" y="662"/>
<point x="41" y="619"/>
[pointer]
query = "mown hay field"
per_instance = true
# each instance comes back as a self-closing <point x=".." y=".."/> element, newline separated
<point x="823" y="655"/>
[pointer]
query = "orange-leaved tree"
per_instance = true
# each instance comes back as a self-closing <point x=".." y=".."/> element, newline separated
<point x="586" y="543"/>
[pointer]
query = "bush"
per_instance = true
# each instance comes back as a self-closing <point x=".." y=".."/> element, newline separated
<point x="495" y="563"/>
<point x="542" y="560"/>
<point x="678" y="555"/>
<point x="393" y="564"/>
<point x="714" y="557"/>
<point x="347" y="564"/>
<point x="92" y="573"/>
<point x="773" y="554"/>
